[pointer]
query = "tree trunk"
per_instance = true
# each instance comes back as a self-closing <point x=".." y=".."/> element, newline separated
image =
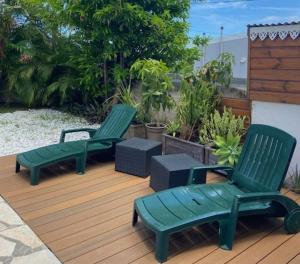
<point x="1" y="49"/>
<point x="105" y="76"/>
<point x="122" y="64"/>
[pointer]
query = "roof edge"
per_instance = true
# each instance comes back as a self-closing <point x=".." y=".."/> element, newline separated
<point x="274" y="25"/>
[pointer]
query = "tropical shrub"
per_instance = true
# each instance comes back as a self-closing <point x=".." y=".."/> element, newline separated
<point x="126" y="96"/>
<point x="228" y="149"/>
<point x="34" y="55"/>
<point x="198" y="99"/>
<point x="94" y="112"/>
<point x="192" y="53"/>
<point x="54" y="52"/>
<point x="219" y="71"/>
<point x="222" y="125"/>
<point x="173" y="127"/>
<point x="114" y="34"/>
<point x="156" y="87"/>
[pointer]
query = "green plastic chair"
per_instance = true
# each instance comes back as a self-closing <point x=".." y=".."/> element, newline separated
<point x="253" y="189"/>
<point x="102" y="139"/>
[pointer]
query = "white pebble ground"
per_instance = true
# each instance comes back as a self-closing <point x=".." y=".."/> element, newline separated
<point x="25" y="130"/>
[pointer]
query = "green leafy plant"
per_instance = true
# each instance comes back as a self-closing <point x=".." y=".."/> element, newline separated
<point x="57" y="52"/>
<point x="126" y="96"/>
<point x="221" y="124"/>
<point x="93" y="112"/>
<point x="295" y="179"/>
<point x="125" y="93"/>
<point x="156" y="87"/>
<point x="218" y="71"/>
<point x="173" y="127"/>
<point x="198" y="99"/>
<point x="192" y="53"/>
<point x="228" y="149"/>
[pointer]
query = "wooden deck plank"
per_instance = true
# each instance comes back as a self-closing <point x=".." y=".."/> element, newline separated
<point x="96" y="242"/>
<point x="84" y="215"/>
<point x="78" y="200"/>
<point x="53" y="198"/>
<point x="88" y="233"/>
<point x="285" y="252"/>
<point x="111" y="249"/>
<point x="87" y="219"/>
<point x="90" y="204"/>
<point x="295" y="260"/>
<point x="262" y="247"/>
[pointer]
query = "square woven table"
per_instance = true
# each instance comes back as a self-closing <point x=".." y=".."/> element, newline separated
<point x="133" y="156"/>
<point x="172" y="170"/>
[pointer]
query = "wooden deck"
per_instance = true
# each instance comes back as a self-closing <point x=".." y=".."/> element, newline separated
<point x="87" y="219"/>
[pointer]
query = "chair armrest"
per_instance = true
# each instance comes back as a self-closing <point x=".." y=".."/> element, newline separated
<point x="286" y="202"/>
<point x="101" y="140"/>
<point x="198" y="172"/>
<point x="91" y="132"/>
<point x="231" y="222"/>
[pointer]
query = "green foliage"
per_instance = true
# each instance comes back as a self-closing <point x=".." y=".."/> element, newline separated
<point x="191" y="54"/>
<point x="156" y="86"/>
<point x="228" y="149"/>
<point x="94" y="112"/>
<point x="114" y="34"/>
<point x="219" y="71"/>
<point x="221" y="125"/>
<point x="198" y="99"/>
<point x="173" y="127"/>
<point x="34" y="61"/>
<point x="53" y="52"/>
<point x="126" y="96"/>
<point x="295" y="179"/>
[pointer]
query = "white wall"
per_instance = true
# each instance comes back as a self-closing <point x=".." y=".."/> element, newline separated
<point x="283" y="116"/>
<point x="238" y="47"/>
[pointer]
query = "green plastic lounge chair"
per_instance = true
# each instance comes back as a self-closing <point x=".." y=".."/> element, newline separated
<point x="102" y="139"/>
<point x="253" y="189"/>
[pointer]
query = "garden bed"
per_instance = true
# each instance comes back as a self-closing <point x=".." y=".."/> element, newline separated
<point x="173" y="145"/>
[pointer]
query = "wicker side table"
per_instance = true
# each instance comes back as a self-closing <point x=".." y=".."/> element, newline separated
<point x="133" y="156"/>
<point x="172" y="170"/>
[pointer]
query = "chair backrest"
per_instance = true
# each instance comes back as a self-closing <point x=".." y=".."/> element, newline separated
<point x="117" y="122"/>
<point x="265" y="159"/>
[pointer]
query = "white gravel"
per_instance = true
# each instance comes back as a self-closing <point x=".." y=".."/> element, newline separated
<point x="25" y="130"/>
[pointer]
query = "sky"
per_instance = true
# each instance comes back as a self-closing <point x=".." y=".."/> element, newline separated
<point x="234" y="15"/>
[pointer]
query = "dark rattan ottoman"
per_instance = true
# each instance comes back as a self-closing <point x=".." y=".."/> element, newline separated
<point x="172" y="170"/>
<point x="133" y="156"/>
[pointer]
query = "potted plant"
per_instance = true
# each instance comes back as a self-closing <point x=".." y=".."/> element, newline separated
<point x="125" y="95"/>
<point x="227" y="152"/>
<point x="198" y="98"/>
<point x="156" y="86"/>
<point x="220" y="125"/>
<point x="137" y="127"/>
<point x="228" y="149"/>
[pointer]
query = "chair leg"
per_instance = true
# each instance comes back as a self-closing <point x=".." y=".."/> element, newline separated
<point x="161" y="247"/>
<point x="34" y="176"/>
<point x="18" y="166"/>
<point x="135" y="217"/>
<point x="226" y="234"/>
<point x="80" y="165"/>
<point x="292" y="221"/>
